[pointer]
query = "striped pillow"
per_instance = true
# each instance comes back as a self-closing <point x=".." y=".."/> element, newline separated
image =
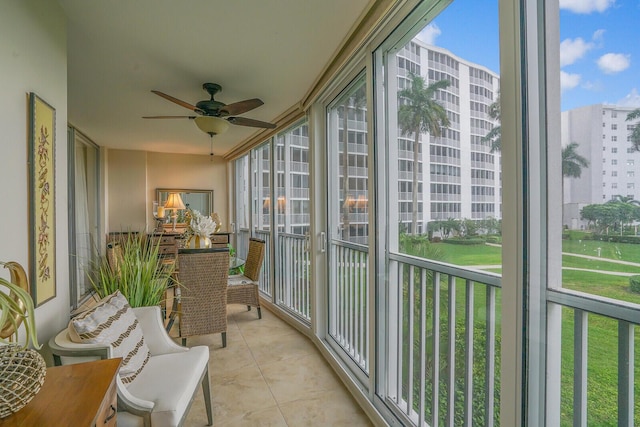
<point x="112" y="322"/>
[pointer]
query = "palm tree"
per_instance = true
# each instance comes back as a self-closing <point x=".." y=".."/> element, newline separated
<point x="495" y="134"/>
<point x="572" y="162"/>
<point x="420" y="113"/>
<point x="627" y="209"/>
<point x="635" y="133"/>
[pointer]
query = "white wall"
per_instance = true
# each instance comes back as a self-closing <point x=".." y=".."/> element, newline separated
<point x="33" y="58"/>
<point x="135" y="175"/>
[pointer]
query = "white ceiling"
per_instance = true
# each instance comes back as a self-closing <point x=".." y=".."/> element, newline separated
<point x="118" y="51"/>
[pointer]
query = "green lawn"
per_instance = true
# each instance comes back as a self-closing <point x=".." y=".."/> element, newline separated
<point x="599" y="264"/>
<point x="470" y="254"/>
<point x="602" y="337"/>
<point x="619" y="251"/>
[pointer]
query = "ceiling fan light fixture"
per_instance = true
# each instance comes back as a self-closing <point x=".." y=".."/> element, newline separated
<point x="211" y="125"/>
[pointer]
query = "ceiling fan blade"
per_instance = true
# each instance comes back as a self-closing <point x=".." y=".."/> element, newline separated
<point x="243" y="121"/>
<point x="178" y="101"/>
<point x="169" y="117"/>
<point x="240" y="107"/>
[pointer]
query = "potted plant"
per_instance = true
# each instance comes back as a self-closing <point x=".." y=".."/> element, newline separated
<point x="135" y="268"/>
<point x="22" y="370"/>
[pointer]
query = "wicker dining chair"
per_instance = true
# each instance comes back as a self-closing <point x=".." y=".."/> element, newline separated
<point x="114" y="256"/>
<point x="203" y="292"/>
<point x="243" y="288"/>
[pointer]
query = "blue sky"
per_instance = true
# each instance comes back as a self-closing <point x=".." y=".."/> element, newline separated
<point x="599" y="46"/>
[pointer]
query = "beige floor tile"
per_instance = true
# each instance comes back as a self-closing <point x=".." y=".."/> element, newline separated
<point x="267" y="348"/>
<point x="270" y="417"/>
<point x="305" y="377"/>
<point x="333" y="408"/>
<point x="270" y="375"/>
<point x="224" y="360"/>
<point x="240" y="391"/>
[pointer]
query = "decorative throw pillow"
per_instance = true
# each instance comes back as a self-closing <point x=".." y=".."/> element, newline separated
<point x="112" y="322"/>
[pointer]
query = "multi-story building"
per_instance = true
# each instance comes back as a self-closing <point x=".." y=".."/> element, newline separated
<point x="603" y="137"/>
<point x="458" y="174"/>
<point x="463" y="179"/>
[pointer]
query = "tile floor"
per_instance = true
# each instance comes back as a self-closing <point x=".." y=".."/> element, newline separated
<point x="271" y="375"/>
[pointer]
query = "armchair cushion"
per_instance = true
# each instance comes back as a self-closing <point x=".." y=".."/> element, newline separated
<point x="168" y="380"/>
<point x="112" y="322"/>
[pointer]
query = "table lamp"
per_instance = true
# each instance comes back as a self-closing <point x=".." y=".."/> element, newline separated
<point x="174" y="202"/>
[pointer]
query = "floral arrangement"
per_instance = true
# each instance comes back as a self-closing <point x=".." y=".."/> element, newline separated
<point x="201" y="225"/>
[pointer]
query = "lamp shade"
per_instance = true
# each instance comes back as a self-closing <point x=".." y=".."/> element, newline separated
<point x="174" y="202"/>
<point x="211" y="125"/>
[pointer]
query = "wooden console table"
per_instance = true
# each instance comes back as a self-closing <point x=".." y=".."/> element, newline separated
<point x="79" y="395"/>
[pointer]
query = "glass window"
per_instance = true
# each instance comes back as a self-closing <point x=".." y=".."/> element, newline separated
<point x="84" y="219"/>
<point x="598" y="222"/>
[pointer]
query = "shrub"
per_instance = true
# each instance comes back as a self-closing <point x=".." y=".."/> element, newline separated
<point x="473" y="241"/>
<point x="634" y="284"/>
<point x="617" y="238"/>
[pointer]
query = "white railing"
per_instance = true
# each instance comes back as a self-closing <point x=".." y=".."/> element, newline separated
<point x="583" y="308"/>
<point x="348" y="309"/>
<point x="265" y="277"/>
<point x="443" y="346"/>
<point x="292" y="278"/>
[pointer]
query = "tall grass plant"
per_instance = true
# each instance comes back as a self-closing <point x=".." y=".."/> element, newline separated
<point x="135" y="269"/>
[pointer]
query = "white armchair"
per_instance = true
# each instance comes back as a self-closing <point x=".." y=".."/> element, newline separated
<point x="161" y="395"/>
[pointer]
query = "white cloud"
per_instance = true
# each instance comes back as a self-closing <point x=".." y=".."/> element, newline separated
<point x="631" y="100"/>
<point x="586" y="6"/>
<point x="611" y="63"/>
<point x="573" y="49"/>
<point x="569" y="81"/>
<point x="598" y="35"/>
<point x="429" y="34"/>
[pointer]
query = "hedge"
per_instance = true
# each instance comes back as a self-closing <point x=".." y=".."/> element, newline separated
<point x="634" y="284"/>
<point x="474" y="241"/>
<point x="617" y="238"/>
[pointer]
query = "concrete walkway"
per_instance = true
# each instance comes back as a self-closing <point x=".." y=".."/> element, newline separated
<point x="595" y="258"/>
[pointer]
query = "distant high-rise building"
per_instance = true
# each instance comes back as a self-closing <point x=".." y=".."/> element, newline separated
<point x="458" y="174"/>
<point x="602" y="134"/>
<point x="463" y="179"/>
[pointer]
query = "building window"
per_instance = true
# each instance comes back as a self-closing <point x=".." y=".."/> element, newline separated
<point x="614" y="185"/>
<point x="613" y="173"/>
<point x="614" y="126"/>
<point x="614" y="138"/>
<point x="614" y="162"/>
<point x="630" y="162"/>
<point x="630" y="174"/>
<point x="614" y="149"/>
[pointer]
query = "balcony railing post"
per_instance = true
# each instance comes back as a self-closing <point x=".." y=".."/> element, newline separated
<point x="625" y="373"/>
<point x="580" y="334"/>
<point x="468" y="364"/>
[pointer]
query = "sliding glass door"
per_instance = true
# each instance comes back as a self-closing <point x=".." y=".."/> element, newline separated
<point x="84" y="217"/>
<point x="348" y="226"/>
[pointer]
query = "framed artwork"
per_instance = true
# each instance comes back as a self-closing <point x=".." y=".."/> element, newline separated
<point x="42" y="215"/>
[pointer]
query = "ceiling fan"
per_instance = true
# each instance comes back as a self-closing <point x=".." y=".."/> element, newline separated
<point x="214" y="116"/>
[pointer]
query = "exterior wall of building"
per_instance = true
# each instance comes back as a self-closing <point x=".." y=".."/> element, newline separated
<point x="459" y="176"/>
<point x="602" y="134"/>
